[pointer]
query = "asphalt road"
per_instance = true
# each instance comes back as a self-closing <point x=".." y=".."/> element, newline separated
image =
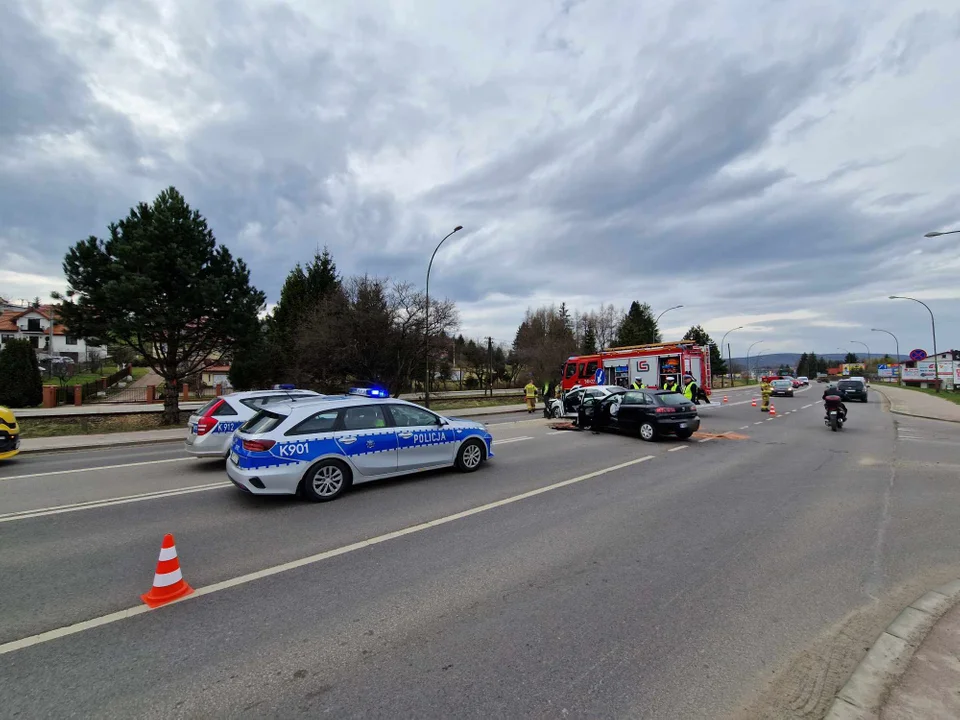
<point x="575" y="575"/>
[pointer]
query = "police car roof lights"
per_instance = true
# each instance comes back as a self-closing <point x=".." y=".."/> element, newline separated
<point x="285" y="386"/>
<point x="369" y="392"/>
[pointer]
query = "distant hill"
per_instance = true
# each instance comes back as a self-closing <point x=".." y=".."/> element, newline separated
<point x="773" y="360"/>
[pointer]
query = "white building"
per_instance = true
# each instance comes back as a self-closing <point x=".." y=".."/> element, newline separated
<point x="49" y="338"/>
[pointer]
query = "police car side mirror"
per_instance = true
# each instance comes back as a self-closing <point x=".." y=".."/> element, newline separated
<point x="442" y="421"/>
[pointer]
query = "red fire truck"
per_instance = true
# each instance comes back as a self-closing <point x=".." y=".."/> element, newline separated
<point x="650" y="364"/>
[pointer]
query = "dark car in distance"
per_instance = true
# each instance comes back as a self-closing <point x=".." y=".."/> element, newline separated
<point x="852" y="390"/>
<point x="648" y="413"/>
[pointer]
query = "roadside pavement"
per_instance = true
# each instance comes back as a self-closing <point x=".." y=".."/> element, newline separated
<point x="143" y="437"/>
<point x="918" y="404"/>
<point x="912" y="671"/>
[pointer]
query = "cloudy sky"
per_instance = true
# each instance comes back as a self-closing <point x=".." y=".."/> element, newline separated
<point x="771" y="164"/>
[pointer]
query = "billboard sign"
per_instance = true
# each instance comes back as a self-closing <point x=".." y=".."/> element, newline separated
<point x="852" y="369"/>
<point x="888" y="371"/>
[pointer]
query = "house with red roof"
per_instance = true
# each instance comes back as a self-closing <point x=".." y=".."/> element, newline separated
<point x="39" y="324"/>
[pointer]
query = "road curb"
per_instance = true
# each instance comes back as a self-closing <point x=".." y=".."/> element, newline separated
<point x="864" y="694"/>
<point x="910" y="414"/>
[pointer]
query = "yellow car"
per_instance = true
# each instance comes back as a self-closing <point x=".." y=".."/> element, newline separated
<point x="9" y="434"/>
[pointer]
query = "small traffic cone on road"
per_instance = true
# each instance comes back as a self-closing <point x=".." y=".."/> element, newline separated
<point x="773" y="410"/>
<point x="168" y="582"/>
<point x="753" y="403"/>
<point x="726" y="399"/>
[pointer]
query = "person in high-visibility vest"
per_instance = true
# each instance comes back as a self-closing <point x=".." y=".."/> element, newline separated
<point x="530" y="392"/>
<point x="637" y="385"/>
<point x="690" y="389"/>
<point x="671" y="384"/>
<point x="766" y="389"/>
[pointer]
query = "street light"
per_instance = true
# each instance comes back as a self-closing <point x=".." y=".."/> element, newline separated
<point x="675" y="307"/>
<point x="865" y="345"/>
<point x="937" y="233"/>
<point x="933" y="326"/>
<point x="748" y="354"/>
<point x="899" y="369"/>
<point x="426" y="320"/>
<point x="729" y="359"/>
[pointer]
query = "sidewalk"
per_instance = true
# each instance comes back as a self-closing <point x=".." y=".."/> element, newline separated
<point x="145" y="437"/>
<point x="918" y="404"/>
<point x="912" y="671"/>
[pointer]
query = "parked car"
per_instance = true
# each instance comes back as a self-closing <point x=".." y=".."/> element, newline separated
<point x="648" y="413"/>
<point x="9" y="434"/>
<point x="782" y="388"/>
<point x="853" y="389"/>
<point x="319" y="448"/>
<point x="210" y="429"/>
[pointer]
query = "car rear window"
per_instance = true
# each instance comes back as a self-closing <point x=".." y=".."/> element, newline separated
<point x="262" y="422"/>
<point x="850" y="385"/>
<point x="673" y="399"/>
<point x="206" y="408"/>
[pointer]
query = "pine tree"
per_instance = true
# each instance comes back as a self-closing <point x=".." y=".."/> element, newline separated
<point x="589" y="344"/>
<point x="638" y="327"/>
<point x="697" y="334"/>
<point x="802" y="368"/>
<point x="20" y="381"/>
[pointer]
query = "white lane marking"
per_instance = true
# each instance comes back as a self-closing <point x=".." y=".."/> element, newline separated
<point x="759" y="423"/>
<point x="512" y="440"/>
<point x="310" y="559"/>
<point x="806" y="406"/>
<point x="93" y="504"/>
<point x="682" y="447"/>
<point x="92" y="469"/>
<point x="706" y="440"/>
<point x="747" y="426"/>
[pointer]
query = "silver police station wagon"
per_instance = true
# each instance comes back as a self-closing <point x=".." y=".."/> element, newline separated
<point x="320" y="447"/>
<point x="210" y="429"/>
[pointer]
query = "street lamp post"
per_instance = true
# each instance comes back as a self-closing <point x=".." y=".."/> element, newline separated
<point x="866" y="364"/>
<point x="729" y="359"/>
<point x="748" y="354"/>
<point x="675" y="307"/>
<point x="426" y="320"/>
<point x="933" y="327"/>
<point x="937" y="233"/>
<point x="899" y="369"/>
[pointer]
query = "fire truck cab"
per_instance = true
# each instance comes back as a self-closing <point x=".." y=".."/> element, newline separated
<point x="650" y="364"/>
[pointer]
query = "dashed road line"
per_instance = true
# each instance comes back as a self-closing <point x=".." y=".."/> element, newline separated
<point x="65" y="631"/>
<point x="682" y="447"/>
<point x="759" y="423"/>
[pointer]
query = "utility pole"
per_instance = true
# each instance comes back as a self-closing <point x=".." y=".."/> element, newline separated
<point x="490" y="364"/>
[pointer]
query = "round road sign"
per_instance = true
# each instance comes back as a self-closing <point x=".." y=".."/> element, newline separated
<point x="918" y="354"/>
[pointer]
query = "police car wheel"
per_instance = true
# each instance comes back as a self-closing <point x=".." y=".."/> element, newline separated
<point x="470" y="456"/>
<point x="325" y="481"/>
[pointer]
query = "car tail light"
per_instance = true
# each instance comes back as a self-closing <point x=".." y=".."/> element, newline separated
<point x="258" y="445"/>
<point x="665" y="410"/>
<point x="207" y="423"/>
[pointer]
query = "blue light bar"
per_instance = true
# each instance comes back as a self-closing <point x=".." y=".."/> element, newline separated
<point x="284" y="386"/>
<point x="369" y="392"/>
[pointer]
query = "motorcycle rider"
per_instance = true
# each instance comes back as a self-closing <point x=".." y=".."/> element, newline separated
<point x="833" y="391"/>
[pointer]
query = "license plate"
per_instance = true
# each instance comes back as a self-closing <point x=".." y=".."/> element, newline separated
<point x="683" y="426"/>
<point x="234" y="458"/>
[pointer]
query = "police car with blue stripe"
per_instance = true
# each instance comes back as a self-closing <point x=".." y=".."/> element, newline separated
<point x="320" y="447"/>
<point x="210" y="429"/>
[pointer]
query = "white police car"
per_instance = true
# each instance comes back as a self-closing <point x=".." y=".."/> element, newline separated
<point x="320" y="447"/>
<point x="210" y="429"/>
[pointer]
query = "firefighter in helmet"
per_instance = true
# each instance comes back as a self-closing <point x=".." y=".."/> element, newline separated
<point x="766" y="389"/>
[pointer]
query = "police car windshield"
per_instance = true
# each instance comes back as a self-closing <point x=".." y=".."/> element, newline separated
<point x="262" y="422"/>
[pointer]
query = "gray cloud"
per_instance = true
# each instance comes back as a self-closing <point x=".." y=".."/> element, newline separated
<point x="694" y="152"/>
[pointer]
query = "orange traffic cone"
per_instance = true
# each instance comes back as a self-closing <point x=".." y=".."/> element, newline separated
<point x="168" y="582"/>
<point x="753" y="403"/>
<point x="725" y="399"/>
<point x="773" y="410"/>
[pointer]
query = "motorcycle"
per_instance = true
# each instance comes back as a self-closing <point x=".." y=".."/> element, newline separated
<point x="835" y="416"/>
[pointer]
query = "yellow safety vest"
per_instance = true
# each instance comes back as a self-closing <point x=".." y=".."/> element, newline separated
<point x="688" y="391"/>
<point x="530" y="390"/>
